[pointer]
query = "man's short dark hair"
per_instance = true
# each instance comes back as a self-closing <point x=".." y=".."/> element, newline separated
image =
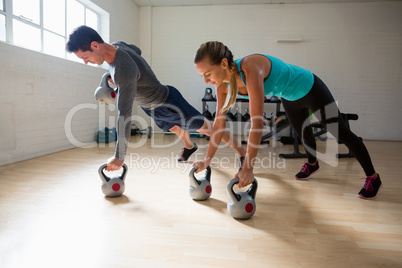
<point x="81" y="39"/>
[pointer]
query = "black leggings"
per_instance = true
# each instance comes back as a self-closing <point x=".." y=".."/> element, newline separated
<point x="320" y="101"/>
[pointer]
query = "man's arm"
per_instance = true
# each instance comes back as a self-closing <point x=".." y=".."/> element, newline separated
<point x="125" y="77"/>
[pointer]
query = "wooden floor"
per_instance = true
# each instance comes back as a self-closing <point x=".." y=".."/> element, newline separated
<point x="53" y="213"/>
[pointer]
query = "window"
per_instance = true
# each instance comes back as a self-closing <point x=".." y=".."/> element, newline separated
<point x="54" y="44"/>
<point x="54" y="16"/>
<point x="91" y="18"/>
<point x="2" y="27"/>
<point x="44" y="25"/>
<point x="26" y="35"/>
<point x="73" y="7"/>
<point x="2" y="22"/>
<point x="27" y="10"/>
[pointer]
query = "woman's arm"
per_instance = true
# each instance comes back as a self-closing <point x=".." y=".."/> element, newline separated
<point x="255" y="71"/>
<point x="218" y="127"/>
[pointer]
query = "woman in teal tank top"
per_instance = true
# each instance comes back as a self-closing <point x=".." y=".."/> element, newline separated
<point x="285" y="80"/>
<point x="300" y="90"/>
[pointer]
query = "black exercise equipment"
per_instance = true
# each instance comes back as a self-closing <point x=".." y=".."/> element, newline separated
<point x="276" y="124"/>
<point x="208" y="94"/>
<point x="207" y="114"/>
<point x="229" y="115"/>
<point x="136" y="130"/>
<point x="246" y="116"/>
<point x="296" y="141"/>
<point x="237" y="116"/>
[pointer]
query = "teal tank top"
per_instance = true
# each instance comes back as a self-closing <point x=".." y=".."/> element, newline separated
<point x="285" y="80"/>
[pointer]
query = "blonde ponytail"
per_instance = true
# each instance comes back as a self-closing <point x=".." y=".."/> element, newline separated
<point x="232" y="93"/>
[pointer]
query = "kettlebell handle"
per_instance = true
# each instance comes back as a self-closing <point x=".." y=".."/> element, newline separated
<point x="194" y="179"/>
<point x="251" y="191"/>
<point x="105" y="178"/>
<point x="104" y="82"/>
<point x="229" y="189"/>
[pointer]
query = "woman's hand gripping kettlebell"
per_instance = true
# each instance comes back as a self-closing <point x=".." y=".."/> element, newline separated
<point x="201" y="165"/>
<point x="245" y="176"/>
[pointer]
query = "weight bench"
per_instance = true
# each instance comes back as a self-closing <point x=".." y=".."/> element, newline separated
<point x="296" y="152"/>
<point x="275" y="127"/>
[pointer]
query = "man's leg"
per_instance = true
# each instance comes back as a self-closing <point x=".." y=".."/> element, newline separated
<point x="184" y="136"/>
<point x="190" y="146"/>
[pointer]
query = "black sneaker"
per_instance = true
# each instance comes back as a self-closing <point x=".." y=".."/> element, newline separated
<point x="307" y="170"/>
<point x="186" y="153"/>
<point x="241" y="160"/>
<point x="370" y="188"/>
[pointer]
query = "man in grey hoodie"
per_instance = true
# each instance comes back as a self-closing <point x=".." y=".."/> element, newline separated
<point x="136" y="81"/>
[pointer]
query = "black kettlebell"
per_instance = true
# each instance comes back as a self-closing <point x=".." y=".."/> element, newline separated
<point x="246" y="116"/>
<point x="207" y="113"/>
<point x="237" y="115"/>
<point x="229" y="115"/>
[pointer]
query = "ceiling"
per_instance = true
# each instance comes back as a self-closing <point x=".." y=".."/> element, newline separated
<point x="160" y="3"/>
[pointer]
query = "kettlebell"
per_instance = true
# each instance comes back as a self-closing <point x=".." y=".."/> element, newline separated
<point x="229" y="115"/>
<point x="208" y="94"/>
<point x="200" y="189"/>
<point x="237" y="115"/>
<point x="104" y="92"/>
<point x="207" y="113"/>
<point x="241" y="205"/>
<point x="112" y="187"/>
<point x="246" y="116"/>
<point x="274" y="98"/>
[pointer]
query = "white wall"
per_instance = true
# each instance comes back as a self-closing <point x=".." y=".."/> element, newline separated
<point x="356" y="48"/>
<point x="38" y="91"/>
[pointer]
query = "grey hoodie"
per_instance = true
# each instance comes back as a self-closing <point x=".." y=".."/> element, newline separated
<point x="135" y="80"/>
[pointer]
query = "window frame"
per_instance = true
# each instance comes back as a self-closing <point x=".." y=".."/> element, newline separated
<point x="3" y="13"/>
<point x="102" y="18"/>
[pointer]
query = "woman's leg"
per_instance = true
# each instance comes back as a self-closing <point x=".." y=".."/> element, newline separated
<point x="226" y="138"/>
<point x="356" y="147"/>
<point x="297" y="116"/>
<point x="323" y="101"/>
<point x="320" y="99"/>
